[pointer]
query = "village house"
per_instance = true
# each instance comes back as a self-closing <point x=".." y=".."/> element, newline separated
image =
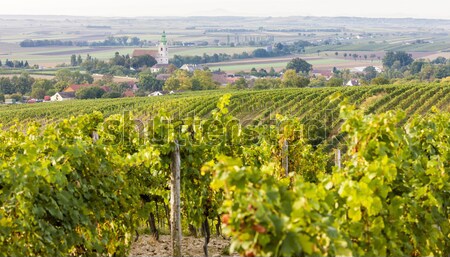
<point x="191" y="67"/>
<point x="62" y="96"/>
<point x="223" y="78"/>
<point x="163" y="77"/>
<point x="352" y="82"/>
<point x="74" y="88"/>
<point x="128" y="93"/>
<point x="159" y="93"/>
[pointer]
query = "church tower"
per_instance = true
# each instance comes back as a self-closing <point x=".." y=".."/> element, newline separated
<point x="163" y="52"/>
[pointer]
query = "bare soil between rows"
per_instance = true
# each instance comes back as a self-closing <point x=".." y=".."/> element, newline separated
<point x="191" y="246"/>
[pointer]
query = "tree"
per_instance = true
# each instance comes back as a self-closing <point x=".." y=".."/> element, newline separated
<point x="172" y="83"/>
<point x="260" y="53"/>
<point x="402" y="58"/>
<point x="272" y="72"/>
<point x="292" y="79"/>
<point x="75" y="77"/>
<point x="6" y="86"/>
<point x="299" y="65"/>
<point x="267" y="83"/>
<point x="179" y="80"/>
<point x="345" y="55"/>
<point x="142" y="61"/>
<point x="60" y="86"/>
<point x="335" y="82"/>
<point x="442" y="72"/>
<point x="112" y="94"/>
<point x="204" y="79"/>
<point x="379" y="81"/>
<point x="148" y="82"/>
<point x="38" y="93"/>
<point x="89" y="92"/>
<point x="438" y="60"/>
<point x="79" y="60"/>
<point x="336" y="53"/>
<point x="417" y="66"/>
<point x="370" y="73"/>
<point x="24" y="83"/>
<point x="73" y="60"/>
<point x="241" y="83"/>
<point x="40" y="88"/>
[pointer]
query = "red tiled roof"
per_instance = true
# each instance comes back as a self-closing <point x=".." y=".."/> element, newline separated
<point x="141" y="52"/>
<point x="128" y="93"/>
<point x="105" y="88"/>
<point x="75" y="88"/>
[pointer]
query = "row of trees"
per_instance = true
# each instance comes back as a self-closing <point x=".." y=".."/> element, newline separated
<point x="15" y="64"/>
<point x="279" y="49"/>
<point x="110" y="41"/>
<point x="24" y="84"/>
<point x="183" y="80"/>
<point x="290" y="79"/>
<point x="17" y="84"/>
<point x="118" y="65"/>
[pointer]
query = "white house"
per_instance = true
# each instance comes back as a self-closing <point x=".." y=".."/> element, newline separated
<point x="156" y="93"/>
<point x="191" y="67"/>
<point x="352" y="82"/>
<point x="62" y="96"/>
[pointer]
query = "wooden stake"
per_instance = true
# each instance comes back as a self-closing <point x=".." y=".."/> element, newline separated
<point x="285" y="157"/>
<point x="175" y="214"/>
<point x="338" y="158"/>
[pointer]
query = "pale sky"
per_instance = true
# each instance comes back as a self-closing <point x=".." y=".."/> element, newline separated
<point x="361" y="8"/>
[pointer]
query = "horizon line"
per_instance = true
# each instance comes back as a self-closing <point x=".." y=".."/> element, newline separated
<point x="228" y="15"/>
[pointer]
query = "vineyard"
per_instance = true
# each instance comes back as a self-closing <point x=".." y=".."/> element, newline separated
<point x="254" y="107"/>
<point x="80" y="177"/>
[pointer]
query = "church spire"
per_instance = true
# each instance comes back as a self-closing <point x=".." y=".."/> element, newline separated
<point x="163" y="38"/>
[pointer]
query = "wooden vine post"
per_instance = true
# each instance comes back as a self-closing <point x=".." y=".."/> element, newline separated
<point x="338" y="158"/>
<point x="175" y="214"/>
<point x="285" y="157"/>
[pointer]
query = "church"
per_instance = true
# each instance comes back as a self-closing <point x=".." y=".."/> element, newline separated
<point x="161" y="55"/>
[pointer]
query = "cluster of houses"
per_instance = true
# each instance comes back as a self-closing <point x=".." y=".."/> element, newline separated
<point x="70" y="92"/>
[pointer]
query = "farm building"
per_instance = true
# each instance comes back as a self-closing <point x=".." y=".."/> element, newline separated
<point x="10" y="101"/>
<point x="62" y="96"/>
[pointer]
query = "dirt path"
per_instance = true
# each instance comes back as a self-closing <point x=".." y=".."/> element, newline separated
<point x="191" y="246"/>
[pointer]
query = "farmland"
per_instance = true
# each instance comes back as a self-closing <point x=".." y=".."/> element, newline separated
<point x="360" y="36"/>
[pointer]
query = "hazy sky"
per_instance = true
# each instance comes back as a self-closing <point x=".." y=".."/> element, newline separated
<point x="362" y="8"/>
